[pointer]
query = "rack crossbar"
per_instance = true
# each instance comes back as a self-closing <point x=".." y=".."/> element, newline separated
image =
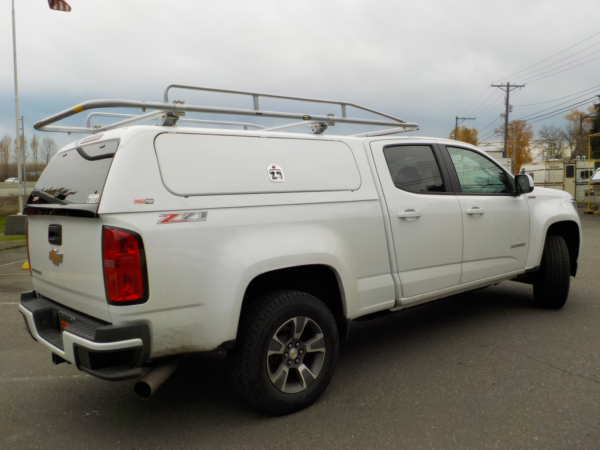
<point x="177" y="107"/>
<point x="256" y="95"/>
<point x="161" y="115"/>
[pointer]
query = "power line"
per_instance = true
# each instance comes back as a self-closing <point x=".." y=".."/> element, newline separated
<point x="486" y="100"/>
<point x="525" y="80"/>
<point x="570" y="56"/>
<point x="539" y="120"/>
<point x="546" y="109"/>
<point x="474" y="101"/>
<point x="542" y="117"/>
<point x="560" y="98"/>
<point x="562" y="110"/>
<point x="487" y="126"/>
<point x="537" y="64"/>
<point x="532" y="81"/>
<point x="491" y="108"/>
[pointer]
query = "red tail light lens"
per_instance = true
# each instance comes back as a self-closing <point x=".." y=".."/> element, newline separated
<point x="27" y="240"/>
<point x="124" y="263"/>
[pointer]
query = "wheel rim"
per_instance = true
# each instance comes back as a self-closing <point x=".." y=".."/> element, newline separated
<point x="295" y="355"/>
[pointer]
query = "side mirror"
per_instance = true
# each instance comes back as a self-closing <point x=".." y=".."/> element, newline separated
<point x="524" y="184"/>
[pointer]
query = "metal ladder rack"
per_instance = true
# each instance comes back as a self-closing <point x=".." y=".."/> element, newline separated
<point x="171" y="113"/>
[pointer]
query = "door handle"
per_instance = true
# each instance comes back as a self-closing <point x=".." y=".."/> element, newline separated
<point x="409" y="214"/>
<point x="475" y="210"/>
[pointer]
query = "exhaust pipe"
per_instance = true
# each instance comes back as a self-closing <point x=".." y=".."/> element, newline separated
<point x="150" y="382"/>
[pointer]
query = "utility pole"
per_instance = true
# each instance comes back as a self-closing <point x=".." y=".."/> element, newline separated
<point x="18" y="140"/>
<point x="507" y="88"/>
<point x="456" y="125"/>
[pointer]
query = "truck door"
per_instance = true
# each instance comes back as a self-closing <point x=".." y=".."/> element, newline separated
<point x="570" y="179"/>
<point x="424" y="215"/>
<point x="495" y="223"/>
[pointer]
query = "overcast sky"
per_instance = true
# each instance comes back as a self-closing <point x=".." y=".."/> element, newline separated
<point x="423" y="61"/>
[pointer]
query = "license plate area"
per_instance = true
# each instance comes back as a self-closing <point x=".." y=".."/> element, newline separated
<point x="64" y="320"/>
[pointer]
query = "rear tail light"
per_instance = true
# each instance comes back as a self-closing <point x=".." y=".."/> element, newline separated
<point x="124" y="264"/>
<point x="27" y="240"/>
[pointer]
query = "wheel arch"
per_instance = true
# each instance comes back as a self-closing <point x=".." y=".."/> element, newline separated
<point x="569" y="231"/>
<point x="320" y="280"/>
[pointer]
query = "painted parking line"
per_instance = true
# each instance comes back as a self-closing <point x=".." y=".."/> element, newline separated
<point x="48" y="377"/>
<point x="8" y="264"/>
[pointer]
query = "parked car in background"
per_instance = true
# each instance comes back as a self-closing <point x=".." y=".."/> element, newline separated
<point x="595" y="180"/>
<point x="11" y="180"/>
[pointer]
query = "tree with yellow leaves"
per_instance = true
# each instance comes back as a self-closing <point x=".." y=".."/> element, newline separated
<point x="468" y="135"/>
<point x="576" y="132"/>
<point x="520" y="134"/>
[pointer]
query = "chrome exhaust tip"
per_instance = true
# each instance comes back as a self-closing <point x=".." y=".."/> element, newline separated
<point x="154" y="379"/>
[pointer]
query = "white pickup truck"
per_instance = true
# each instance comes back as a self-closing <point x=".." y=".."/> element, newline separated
<point x="150" y="243"/>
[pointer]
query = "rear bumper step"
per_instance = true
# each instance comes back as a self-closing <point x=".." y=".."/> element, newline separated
<point x="105" y="351"/>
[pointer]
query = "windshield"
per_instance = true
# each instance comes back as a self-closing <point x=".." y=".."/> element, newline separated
<point x="71" y="178"/>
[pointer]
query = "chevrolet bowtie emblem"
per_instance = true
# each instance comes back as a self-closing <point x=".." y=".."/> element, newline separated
<point x="55" y="257"/>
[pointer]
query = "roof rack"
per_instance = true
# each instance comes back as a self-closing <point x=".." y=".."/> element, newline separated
<point x="171" y="113"/>
<point x="160" y="116"/>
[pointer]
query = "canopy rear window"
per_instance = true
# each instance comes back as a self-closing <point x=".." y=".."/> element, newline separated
<point x="76" y="176"/>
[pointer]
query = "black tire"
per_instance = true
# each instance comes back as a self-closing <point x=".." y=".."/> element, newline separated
<point x="552" y="282"/>
<point x="248" y="360"/>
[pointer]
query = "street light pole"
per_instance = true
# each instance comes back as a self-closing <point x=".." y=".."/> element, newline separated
<point x="18" y="139"/>
<point x="57" y="5"/>
<point x="24" y="159"/>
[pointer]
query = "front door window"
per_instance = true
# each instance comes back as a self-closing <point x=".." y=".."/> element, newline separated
<point x="477" y="174"/>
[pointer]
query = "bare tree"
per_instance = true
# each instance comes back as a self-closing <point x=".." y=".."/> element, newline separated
<point x="570" y="133"/>
<point x="553" y="142"/>
<point x="35" y="150"/>
<point x="5" y="151"/>
<point x="16" y="148"/>
<point x="48" y="150"/>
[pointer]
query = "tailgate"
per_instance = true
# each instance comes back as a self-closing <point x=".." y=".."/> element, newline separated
<point x="70" y="273"/>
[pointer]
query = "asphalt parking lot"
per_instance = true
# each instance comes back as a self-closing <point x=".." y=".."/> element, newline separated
<point x="13" y="188"/>
<point x="479" y="370"/>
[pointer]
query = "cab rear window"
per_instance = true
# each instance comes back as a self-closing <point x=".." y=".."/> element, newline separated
<point x="75" y="176"/>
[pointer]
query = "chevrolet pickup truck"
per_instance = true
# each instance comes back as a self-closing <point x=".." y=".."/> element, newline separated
<point x="148" y="244"/>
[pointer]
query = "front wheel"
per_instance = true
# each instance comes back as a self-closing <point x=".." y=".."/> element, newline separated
<point x="285" y="353"/>
<point x="552" y="282"/>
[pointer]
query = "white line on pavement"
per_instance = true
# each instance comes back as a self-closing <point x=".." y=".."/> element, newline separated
<point x="48" y="377"/>
<point x="12" y="263"/>
<point x="10" y="303"/>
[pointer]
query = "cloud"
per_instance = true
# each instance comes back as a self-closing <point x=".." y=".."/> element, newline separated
<point x="421" y="61"/>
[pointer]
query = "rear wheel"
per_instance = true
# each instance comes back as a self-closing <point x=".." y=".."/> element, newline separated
<point x="552" y="282"/>
<point x="286" y="352"/>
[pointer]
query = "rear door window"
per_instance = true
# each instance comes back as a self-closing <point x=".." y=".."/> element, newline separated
<point x="414" y="168"/>
<point x="75" y="176"/>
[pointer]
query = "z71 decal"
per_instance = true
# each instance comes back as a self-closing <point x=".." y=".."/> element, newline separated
<point x="194" y="216"/>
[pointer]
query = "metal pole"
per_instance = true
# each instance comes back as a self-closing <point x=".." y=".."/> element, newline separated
<point x="553" y="164"/>
<point x="18" y="137"/>
<point x="589" y="177"/>
<point x="506" y="121"/>
<point x="456" y="130"/>
<point x="24" y="160"/>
